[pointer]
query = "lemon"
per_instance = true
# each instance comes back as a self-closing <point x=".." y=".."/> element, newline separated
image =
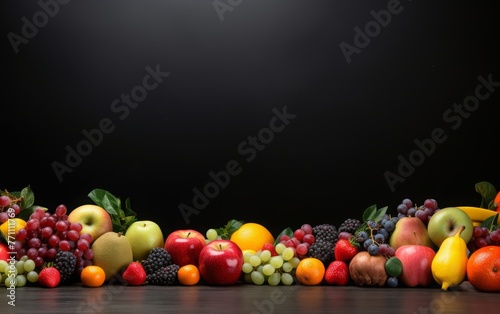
<point x="15" y="225"/>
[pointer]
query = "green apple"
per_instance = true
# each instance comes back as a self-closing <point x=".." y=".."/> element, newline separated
<point x="144" y="235"/>
<point x="445" y="223"/>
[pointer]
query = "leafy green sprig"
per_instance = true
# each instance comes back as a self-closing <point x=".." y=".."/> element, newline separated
<point x="26" y="201"/>
<point x="121" y="218"/>
<point x="226" y="231"/>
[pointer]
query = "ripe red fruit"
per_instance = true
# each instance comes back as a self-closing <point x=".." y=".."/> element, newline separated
<point x="344" y="250"/>
<point x="308" y="238"/>
<point x="49" y="277"/>
<point x="337" y="273"/>
<point x="270" y="247"/>
<point x="134" y="274"/>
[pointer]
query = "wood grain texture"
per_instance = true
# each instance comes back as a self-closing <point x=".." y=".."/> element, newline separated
<point x="245" y="298"/>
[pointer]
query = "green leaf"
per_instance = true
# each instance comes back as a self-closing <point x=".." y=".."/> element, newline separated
<point x="121" y="219"/>
<point x="369" y="213"/>
<point x="287" y="231"/>
<point x="492" y="205"/>
<point x="106" y="200"/>
<point x="128" y="208"/>
<point x="491" y="222"/>
<point x="230" y="227"/>
<point x="233" y="225"/>
<point x="97" y="195"/>
<point x="487" y="192"/>
<point x="117" y="227"/>
<point x="222" y="232"/>
<point x="379" y="214"/>
<point x="393" y="266"/>
<point x="28" y="197"/>
<point x="108" y="206"/>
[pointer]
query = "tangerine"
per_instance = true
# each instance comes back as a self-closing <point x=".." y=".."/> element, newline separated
<point x="188" y="275"/>
<point x="310" y="271"/>
<point x="92" y="276"/>
<point x="252" y="236"/>
<point x="483" y="268"/>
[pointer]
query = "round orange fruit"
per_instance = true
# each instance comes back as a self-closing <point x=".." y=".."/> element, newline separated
<point x="483" y="268"/>
<point x="310" y="271"/>
<point x="252" y="236"/>
<point x="188" y="275"/>
<point x="92" y="276"/>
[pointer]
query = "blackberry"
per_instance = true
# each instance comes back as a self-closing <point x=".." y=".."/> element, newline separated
<point x="350" y="225"/>
<point x="158" y="258"/>
<point x="323" y="251"/>
<point x="326" y="233"/>
<point x="164" y="276"/>
<point x="326" y="236"/>
<point x="65" y="262"/>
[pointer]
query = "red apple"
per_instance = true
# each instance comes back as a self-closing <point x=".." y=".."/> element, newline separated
<point x="4" y="252"/>
<point x="220" y="262"/>
<point x="95" y="220"/>
<point x="416" y="261"/>
<point x="184" y="246"/>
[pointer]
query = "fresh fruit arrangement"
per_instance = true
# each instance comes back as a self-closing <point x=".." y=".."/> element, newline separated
<point x="94" y="244"/>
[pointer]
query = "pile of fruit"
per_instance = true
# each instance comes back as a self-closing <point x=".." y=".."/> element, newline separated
<point x="104" y="242"/>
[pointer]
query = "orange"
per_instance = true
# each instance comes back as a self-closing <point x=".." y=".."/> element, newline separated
<point x="188" y="275"/>
<point x="483" y="268"/>
<point x="92" y="276"/>
<point x="252" y="236"/>
<point x="310" y="271"/>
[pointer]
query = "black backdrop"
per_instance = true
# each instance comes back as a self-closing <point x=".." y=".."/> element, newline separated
<point x="355" y="102"/>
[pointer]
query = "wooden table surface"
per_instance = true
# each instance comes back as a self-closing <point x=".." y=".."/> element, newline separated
<point x="247" y="298"/>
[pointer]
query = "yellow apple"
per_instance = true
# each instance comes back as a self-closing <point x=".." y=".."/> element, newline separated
<point x="95" y="220"/>
<point x="144" y="235"/>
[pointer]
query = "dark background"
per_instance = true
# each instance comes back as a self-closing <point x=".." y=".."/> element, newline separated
<point x="352" y="120"/>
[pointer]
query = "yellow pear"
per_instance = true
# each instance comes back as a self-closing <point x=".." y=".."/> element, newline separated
<point x="449" y="266"/>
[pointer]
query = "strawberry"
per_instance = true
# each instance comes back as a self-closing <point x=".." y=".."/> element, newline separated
<point x="134" y="274"/>
<point x="270" y="247"/>
<point x="337" y="273"/>
<point x="49" y="277"/>
<point x="345" y="250"/>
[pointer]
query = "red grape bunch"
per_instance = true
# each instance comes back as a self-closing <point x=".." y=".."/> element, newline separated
<point x="301" y="240"/>
<point x="424" y="212"/>
<point x="8" y="204"/>
<point x="47" y="234"/>
<point x="482" y="236"/>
